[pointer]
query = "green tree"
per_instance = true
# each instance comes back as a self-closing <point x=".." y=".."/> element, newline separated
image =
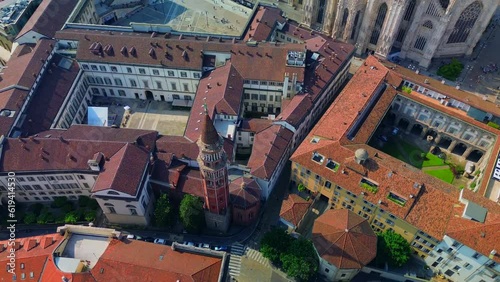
<point x="452" y="70"/>
<point x="274" y="243"/>
<point x="300" y="260"/>
<point x="71" y="217"/>
<point x="83" y="201"/>
<point x="392" y="248"/>
<point x="301" y="187"/>
<point x="29" y="218"/>
<point x="191" y="214"/>
<point x="59" y="201"/>
<point x="406" y="89"/>
<point x="164" y="214"/>
<point x="89" y="215"/>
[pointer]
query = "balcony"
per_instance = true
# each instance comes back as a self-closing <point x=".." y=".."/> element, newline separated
<point x="396" y="199"/>
<point x="369" y="186"/>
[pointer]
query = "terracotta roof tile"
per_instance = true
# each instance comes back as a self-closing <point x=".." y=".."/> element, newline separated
<point x="268" y="148"/>
<point x="208" y="133"/>
<point x="255" y="125"/>
<point x="49" y="17"/>
<point x="124" y="171"/>
<point x="293" y="208"/>
<point x="262" y="23"/>
<point x="296" y="110"/>
<point x="344" y="239"/>
<point x="244" y="192"/>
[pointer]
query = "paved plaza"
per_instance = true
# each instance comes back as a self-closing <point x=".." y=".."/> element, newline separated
<point x="201" y="16"/>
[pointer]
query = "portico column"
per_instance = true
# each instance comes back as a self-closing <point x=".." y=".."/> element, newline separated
<point x="437" y="138"/>
<point x="467" y="152"/>
<point x="424" y="132"/>
<point x="452" y="145"/>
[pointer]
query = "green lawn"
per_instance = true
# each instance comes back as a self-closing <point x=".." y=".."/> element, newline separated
<point x="444" y="174"/>
<point x="432" y="160"/>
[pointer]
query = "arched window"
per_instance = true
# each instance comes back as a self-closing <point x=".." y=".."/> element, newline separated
<point x="444" y="3"/>
<point x="321" y="11"/>
<point x="428" y="24"/>
<point x="465" y="23"/>
<point x="344" y="17"/>
<point x="379" y="22"/>
<point x="409" y="10"/>
<point x="355" y="25"/>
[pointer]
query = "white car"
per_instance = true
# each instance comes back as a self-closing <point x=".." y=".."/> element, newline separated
<point x="160" y="241"/>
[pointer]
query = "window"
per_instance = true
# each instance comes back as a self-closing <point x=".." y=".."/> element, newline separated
<point x="91" y="79"/>
<point x="328" y="184"/>
<point x="102" y="68"/>
<point x="317" y="157"/>
<point x="379" y="22"/>
<point x="170" y="73"/>
<point x="186" y="87"/>
<point x="156" y="72"/>
<point x="22" y="265"/>
<point x="37" y="187"/>
<point x="133" y="83"/>
<point x="32" y="275"/>
<point x="476" y="255"/>
<point x="262" y="97"/>
<point x="129" y="70"/>
<point x="142" y="71"/>
<point x="111" y="210"/>
<point x="118" y="82"/>
<point x="93" y="67"/>
<point x="196" y="75"/>
<point x="107" y="81"/>
<point x="85" y="67"/>
<point x="327" y="270"/>
<point x="176" y="97"/>
<point x="343" y="275"/>
<point x="86" y="185"/>
<point x="183" y="74"/>
<point x="146" y="83"/>
<point x="465" y="23"/>
<point x="41" y="178"/>
<point x="114" y="69"/>
<point x="457" y="268"/>
<point x="158" y="85"/>
<point x="449" y="272"/>
<point x="121" y="93"/>
<point x="173" y="85"/>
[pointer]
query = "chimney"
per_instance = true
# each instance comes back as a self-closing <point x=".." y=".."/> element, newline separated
<point x="492" y="254"/>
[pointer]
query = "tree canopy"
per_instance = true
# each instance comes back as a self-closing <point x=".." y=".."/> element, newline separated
<point x="297" y="257"/>
<point x="392" y="248"/>
<point x="164" y="214"/>
<point x="191" y="214"/>
<point x="452" y="70"/>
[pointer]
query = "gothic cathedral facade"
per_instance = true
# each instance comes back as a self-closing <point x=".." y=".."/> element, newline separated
<point x="419" y="30"/>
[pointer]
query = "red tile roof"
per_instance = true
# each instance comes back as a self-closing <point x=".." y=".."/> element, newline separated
<point x="268" y="148"/>
<point x="244" y="192"/>
<point x="49" y="97"/>
<point x="263" y="23"/>
<point x="208" y="133"/>
<point x="49" y="17"/>
<point x="431" y="204"/>
<point x="293" y="208"/>
<point x="34" y="258"/>
<point x="255" y="125"/>
<point x="124" y="171"/>
<point x="344" y="239"/>
<point x="135" y="260"/>
<point x="296" y="110"/>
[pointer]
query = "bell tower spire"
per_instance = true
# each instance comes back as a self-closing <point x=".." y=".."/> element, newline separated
<point x="212" y="160"/>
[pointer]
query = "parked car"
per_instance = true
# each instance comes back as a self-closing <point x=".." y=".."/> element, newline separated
<point x="148" y="239"/>
<point x="134" y="237"/>
<point x="204" y="245"/>
<point x="189" y="244"/>
<point x="160" y="241"/>
<point x="221" y="248"/>
<point x="395" y="131"/>
<point x="383" y="138"/>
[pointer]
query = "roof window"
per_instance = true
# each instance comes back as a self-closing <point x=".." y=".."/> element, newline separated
<point x="332" y="165"/>
<point x="318" y="158"/>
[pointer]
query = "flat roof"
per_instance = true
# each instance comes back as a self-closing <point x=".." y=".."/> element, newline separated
<point x="97" y="116"/>
<point x="85" y="247"/>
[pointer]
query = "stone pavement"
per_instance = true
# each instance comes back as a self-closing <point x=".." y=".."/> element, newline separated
<point x="258" y="257"/>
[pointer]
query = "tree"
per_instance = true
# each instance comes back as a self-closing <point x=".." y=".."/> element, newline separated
<point x="451" y="71"/>
<point x="83" y="201"/>
<point x="59" y="201"/>
<point x="71" y="217"/>
<point x="164" y="215"/>
<point x="300" y="260"/>
<point x="89" y="215"/>
<point x="29" y="218"/>
<point x="392" y="248"/>
<point x="301" y="187"/>
<point x="274" y="243"/>
<point x="191" y="214"/>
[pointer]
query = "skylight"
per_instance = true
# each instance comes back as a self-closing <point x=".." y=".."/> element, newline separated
<point x="332" y="165"/>
<point x="317" y="158"/>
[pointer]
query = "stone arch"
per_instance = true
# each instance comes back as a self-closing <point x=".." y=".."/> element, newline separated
<point x="355" y="24"/>
<point x="475" y="155"/>
<point x="403" y="123"/>
<point x="390" y="117"/>
<point x="379" y="23"/>
<point x="459" y="149"/>
<point x="432" y="133"/>
<point x="416" y="129"/>
<point x="465" y="23"/>
<point x="444" y="142"/>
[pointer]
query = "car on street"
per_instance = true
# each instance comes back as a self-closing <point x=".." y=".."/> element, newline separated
<point x="204" y="245"/>
<point x="221" y="248"/>
<point x="189" y="244"/>
<point x="160" y="241"/>
<point x="134" y="237"/>
<point x="148" y="239"/>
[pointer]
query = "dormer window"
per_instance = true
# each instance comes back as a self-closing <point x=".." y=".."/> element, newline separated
<point x="317" y="158"/>
<point x="332" y="165"/>
<point x="396" y="199"/>
<point x="315" y="140"/>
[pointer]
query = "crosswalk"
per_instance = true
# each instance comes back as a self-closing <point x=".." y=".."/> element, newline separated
<point x="257" y="256"/>
<point x="237" y="250"/>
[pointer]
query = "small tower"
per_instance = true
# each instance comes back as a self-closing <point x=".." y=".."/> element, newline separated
<point x="212" y="161"/>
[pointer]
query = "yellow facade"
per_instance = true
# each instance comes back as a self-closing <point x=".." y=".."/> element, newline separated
<point x="379" y="219"/>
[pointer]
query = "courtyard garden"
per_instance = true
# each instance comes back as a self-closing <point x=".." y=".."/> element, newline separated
<point x="437" y="165"/>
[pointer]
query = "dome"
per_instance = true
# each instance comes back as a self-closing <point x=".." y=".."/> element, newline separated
<point x="361" y="154"/>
